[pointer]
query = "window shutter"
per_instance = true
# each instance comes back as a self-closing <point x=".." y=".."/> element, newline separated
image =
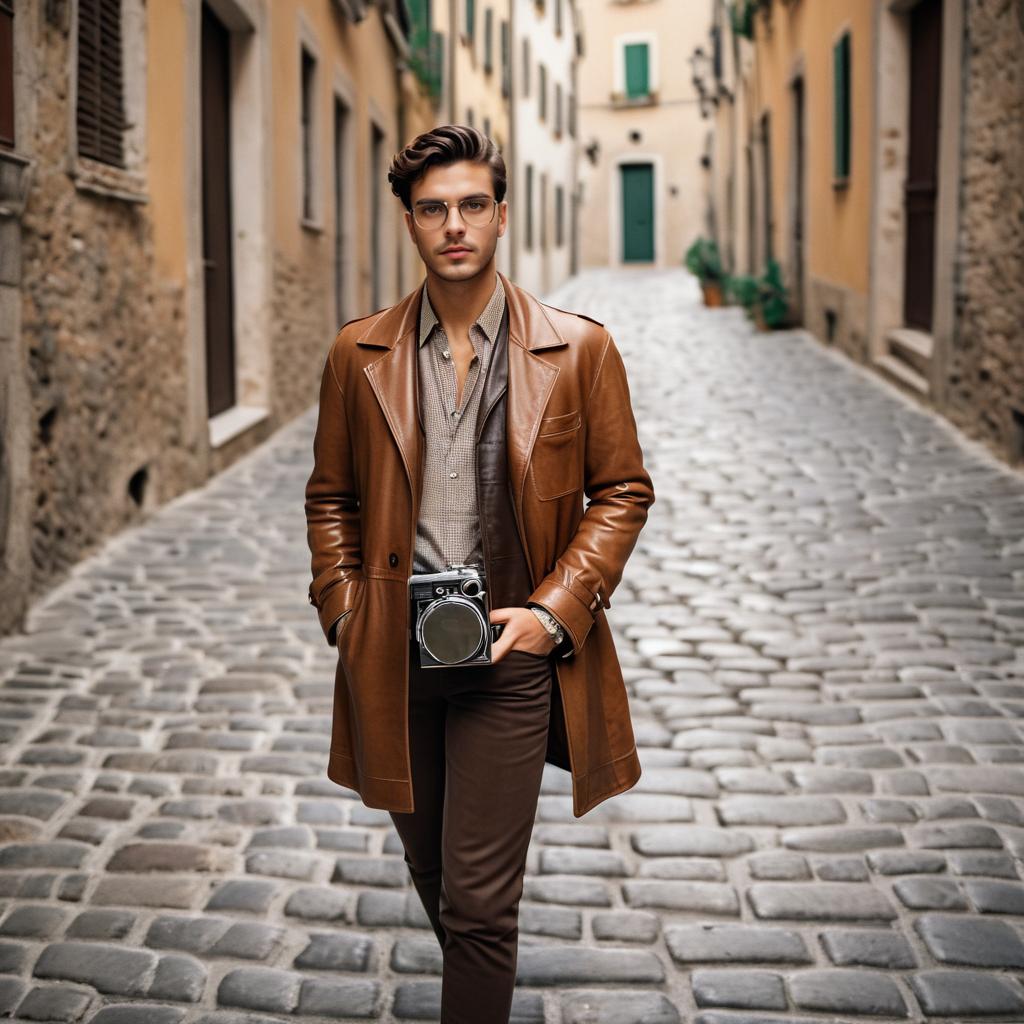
<point x="488" y="39"/>
<point x="841" y="91"/>
<point x="506" y="60"/>
<point x="100" y="108"/>
<point x="636" y="69"/>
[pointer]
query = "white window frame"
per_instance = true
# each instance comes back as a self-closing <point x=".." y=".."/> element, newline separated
<point x="307" y="40"/>
<point x="129" y="182"/>
<point x="619" y="44"/>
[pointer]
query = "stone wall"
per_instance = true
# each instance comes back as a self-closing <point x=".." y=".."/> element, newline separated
<point x="986" y="378"/>
<point x="103" y="348"/>
<point x="837" y="316"/>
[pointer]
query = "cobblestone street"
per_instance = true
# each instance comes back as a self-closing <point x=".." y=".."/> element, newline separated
<point x="822" y="630"/>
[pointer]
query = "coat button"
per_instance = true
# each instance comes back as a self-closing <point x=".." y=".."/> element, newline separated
<point x="392" y="559"/>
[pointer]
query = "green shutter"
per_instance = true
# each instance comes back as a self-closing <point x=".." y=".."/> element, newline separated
<point x="470" y="18"/>
<point x="636" y="69"/>
<point x="841" y="93"/>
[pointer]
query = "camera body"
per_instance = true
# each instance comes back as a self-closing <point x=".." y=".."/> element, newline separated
<point x="450" y="617"/>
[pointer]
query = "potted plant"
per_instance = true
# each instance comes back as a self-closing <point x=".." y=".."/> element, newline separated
<point x="764" y="298"/>
<point x="702" y="260"/>
<point x="773" y="298"/>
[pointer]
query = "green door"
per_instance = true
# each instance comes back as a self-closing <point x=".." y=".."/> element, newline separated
<point x="637" y="212"/>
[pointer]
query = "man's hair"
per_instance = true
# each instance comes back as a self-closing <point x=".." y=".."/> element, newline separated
<point x="446" y="144"/>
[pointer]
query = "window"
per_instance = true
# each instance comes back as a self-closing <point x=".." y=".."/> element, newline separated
<point x="559" y="215"/>
<point x="526" y="66"/>
<point x="506" y="64"/>
<point x="308" y="83"/>
<point x="841" y="101"/>
<point x="470" y="20"/>
<point x="542" y="92"/>
<point x="543" y="211"/>
<point x="487" y="127"/>
<point x="558" y="109"/>
<point x="558" y="17"/>
<point x="637" y="82"/>
<point x="99" y="113"/>
<point x="529" y="206"/>
<point x="489" y="40"/>
<point x="571" y="115"/>
<point x="6" y="73"/>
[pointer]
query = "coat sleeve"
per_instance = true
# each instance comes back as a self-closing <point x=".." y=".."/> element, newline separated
<point x="620" y="492"/>
<point x="332" y="509"/>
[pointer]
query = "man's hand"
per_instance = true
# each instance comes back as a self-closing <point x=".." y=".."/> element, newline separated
<point x="523" y="632"/>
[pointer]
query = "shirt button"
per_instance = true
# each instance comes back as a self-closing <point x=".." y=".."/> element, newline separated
<point x="445" y="353"/>
<point x="453" y="474"/>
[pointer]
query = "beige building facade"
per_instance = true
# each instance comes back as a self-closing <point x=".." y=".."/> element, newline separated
<point x="641" y="137"/>
<point x="543" y="202"/>
<point x="182" y="233"/>
<point x="847" y="144"/>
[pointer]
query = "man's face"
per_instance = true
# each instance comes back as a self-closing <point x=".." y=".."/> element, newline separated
<point x="455" y="250"/>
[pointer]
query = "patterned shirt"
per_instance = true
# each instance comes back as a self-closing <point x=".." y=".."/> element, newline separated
<point x="448" y="528"/>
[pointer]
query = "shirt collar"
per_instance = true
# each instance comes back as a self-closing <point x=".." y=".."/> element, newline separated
<point x="489" y="320"/>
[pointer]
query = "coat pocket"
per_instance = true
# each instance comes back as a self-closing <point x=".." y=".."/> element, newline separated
<point x="342" y="630"/>
<point x="556" y="468"/>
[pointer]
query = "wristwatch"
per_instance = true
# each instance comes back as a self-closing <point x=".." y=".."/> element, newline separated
<point x="550" y="623"/>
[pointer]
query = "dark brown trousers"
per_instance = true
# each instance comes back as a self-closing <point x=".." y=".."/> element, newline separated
<point x="477" y="741"/>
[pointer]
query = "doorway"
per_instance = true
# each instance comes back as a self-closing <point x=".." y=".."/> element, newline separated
<point x="797" y="207"/>
<point x="921" y="185"/>
<point x="637" y="190"/>
<point x="218" y="276"/>
<point x="340" y="264"/>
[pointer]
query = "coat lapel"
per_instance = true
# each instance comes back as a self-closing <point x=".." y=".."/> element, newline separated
<point x="531" y="379"/>
<point x="393" y="380"/>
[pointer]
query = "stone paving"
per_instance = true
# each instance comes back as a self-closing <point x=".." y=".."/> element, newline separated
<point x="822" y="629"/>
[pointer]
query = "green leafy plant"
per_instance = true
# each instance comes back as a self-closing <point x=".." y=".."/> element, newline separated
<point x="772" y="295"/>
<point x="764" y="298"/>
<point x="703" y="260"/>
<point x="742" y="289"/>
<point x="741" y="14"/>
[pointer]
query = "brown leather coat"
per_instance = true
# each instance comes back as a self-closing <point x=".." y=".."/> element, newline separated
<point x="569" y="432"/>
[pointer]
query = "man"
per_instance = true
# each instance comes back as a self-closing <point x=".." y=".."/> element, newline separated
<point x="465" y="424"/>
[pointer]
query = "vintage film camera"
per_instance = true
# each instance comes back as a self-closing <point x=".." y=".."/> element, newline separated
<point x="450" y="617"/>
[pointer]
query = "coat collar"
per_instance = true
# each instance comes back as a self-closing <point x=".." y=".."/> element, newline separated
<point x="528" y="325"/>
<point x="531" y="380"/>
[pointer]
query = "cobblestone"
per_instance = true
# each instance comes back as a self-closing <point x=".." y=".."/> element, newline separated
<point x="822" y="635"/>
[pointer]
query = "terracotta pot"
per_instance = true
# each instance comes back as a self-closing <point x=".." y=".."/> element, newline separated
<point x="712" y="292"/>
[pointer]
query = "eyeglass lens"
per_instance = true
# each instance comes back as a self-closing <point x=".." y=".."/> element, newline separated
<point x="474" y="210"/>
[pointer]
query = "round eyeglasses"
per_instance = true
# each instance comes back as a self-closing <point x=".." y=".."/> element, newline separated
<point x="476" y="211"/>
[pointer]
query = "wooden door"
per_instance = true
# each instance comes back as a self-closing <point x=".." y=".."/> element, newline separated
<point x="799" y="213"/>
<point x="216" y="177"/>
<point x="637" y="212"/>
<point x="921" y="184"/>
<point x="340" y="115"/>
